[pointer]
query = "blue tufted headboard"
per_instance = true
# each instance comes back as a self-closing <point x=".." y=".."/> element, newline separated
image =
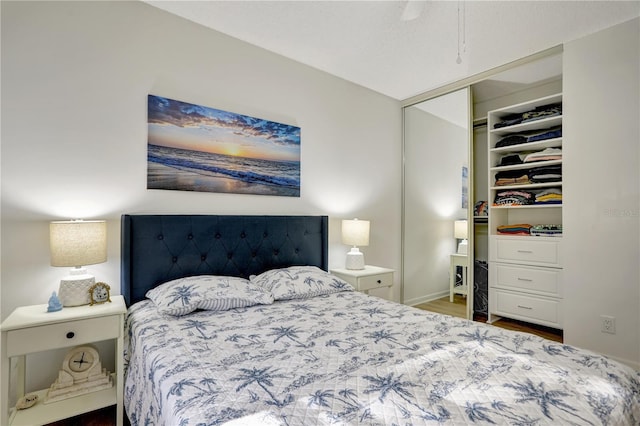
<point x="159" y="248"/>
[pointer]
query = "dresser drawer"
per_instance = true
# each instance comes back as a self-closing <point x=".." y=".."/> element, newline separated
<point x="545" y="281"/>
<point x="375" y="281"/>
<point x="528" y="308"/>
<point x="531" y="251"/>
<point x="35" y="339"/>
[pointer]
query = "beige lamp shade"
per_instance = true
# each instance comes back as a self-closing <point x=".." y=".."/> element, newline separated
<point x="460" y="229"/>
<point x="355" y="232"/>
<point x="78" y="243"/>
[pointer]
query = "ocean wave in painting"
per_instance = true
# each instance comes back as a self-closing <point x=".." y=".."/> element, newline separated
<point x="279" y="174"/>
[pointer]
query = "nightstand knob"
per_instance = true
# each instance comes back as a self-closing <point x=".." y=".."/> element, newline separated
<point x="379" y="281"/>
<point x="70" y="335"/>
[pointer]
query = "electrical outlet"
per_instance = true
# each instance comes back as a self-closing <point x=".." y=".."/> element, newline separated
<point x="608" y="324"/>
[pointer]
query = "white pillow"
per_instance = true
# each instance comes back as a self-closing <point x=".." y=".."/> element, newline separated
<point x="208" y="292"/>
<point x="299" y="282"/>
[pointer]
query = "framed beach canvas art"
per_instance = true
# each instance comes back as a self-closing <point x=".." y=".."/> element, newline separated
<point x="198" y="148"/>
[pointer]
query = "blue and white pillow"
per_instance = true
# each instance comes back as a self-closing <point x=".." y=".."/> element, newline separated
<point x="208" y="292"/>
<point x="299" y="282"/>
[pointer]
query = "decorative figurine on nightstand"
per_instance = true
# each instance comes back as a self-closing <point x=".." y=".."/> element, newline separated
<point x="99" y="293"/>
<point x="81" y="373"/>
<point x="27" y="401"/>
<point x="54" y="303"/>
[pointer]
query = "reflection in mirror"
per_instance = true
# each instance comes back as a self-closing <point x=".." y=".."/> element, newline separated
<point x="436" y="195"/>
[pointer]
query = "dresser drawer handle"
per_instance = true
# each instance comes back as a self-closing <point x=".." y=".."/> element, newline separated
<point x="525" y="251"/>
<point x="525" y="307"/>
<point x="525" y="279"/>
<point x="71" y="335"/>
<point x="379" y="281"/>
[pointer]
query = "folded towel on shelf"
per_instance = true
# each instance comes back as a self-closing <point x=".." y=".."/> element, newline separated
<point x="515" y="229"/>
<point x="547" y="154"/>
<point x="549" y="196"/>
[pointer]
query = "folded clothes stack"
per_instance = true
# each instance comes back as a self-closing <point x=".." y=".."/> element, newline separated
<point x="546" y="230"/>
<point x="549" y="196"/>
<point x="546" y="174"/>
<point x="514" y="198"/>
<point x="516" y="229"/>
<point x="526" y="137"/>
<point x="512" y="177"/>
<point x="538" y="113"/>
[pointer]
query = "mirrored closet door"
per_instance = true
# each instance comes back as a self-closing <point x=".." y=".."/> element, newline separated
<point x="437" y="200"/>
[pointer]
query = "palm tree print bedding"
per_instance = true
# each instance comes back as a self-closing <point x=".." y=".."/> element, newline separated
<point x="351" y="359"/>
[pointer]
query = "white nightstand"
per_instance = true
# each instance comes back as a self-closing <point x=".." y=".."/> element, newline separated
<point x="369" y="278"/>
<point x="31" y="329"/>
<point x="458" y="260"/>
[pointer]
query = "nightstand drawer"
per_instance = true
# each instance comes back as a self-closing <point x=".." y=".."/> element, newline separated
<point x="42" y="338"/>
<point x="545" y="281"/>
<point x="375" y="281"/>
<point x="528" y="308"/>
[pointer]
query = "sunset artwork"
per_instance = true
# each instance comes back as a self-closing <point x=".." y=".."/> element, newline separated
<point x="197" y="148"/>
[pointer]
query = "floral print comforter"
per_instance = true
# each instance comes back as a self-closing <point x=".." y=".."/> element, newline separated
<point x="351" y="359"/>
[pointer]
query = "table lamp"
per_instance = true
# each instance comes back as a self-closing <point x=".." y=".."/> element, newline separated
<point x="460" y="232"/>
<point x="77" y="243"/>
<point x="355" y="233"/>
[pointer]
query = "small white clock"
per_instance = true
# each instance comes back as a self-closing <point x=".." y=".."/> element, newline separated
<point x="99" y="293"/>
<point x="81" y="373"/>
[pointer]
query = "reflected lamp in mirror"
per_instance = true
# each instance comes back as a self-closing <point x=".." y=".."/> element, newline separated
<point x="75" y="244"/>
<point x="460" y="232"/>
<point x="355" y="233"/>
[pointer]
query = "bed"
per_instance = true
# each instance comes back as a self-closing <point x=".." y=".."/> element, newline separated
<point x="296" y="346"/>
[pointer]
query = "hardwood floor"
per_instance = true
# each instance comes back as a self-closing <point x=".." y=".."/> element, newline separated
<point x="103" y="417"/>
<point x="458" y="308"/>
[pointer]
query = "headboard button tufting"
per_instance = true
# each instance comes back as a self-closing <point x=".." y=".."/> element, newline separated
<point x="174" y="259"/>
<point x="229" y="255"/>
<point x="243" y="235"/>
<point x="161" y="237"/>
<point x="218" y="236"/>
<point x="203" y="257"/>
<point x="190" y="237"/>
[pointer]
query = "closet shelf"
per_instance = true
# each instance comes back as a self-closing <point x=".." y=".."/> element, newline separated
<point x="543" y="123"/>
<point x="531" y="165"/>
<point x="527" y="206"/>
<point x="528" y="186"/>
<point x="530" y="146"/>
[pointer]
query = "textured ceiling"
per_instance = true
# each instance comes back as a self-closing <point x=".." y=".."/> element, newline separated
<point x="369" y="42"/>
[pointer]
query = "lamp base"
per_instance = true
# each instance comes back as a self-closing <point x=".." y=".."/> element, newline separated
<point x="74" y="288"/>
<point x="355" y="259"/>
<point x="462" y="247"/>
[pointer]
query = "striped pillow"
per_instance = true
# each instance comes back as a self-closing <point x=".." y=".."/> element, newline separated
<point x="208" y="292"/>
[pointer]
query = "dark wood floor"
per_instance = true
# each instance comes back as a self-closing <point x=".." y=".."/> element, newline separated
<point x="103" y="417"/>
<point x="458" y="309"/>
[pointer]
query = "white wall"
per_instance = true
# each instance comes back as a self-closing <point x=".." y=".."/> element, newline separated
<point x="75" y="80"/>
<point x="601" y="194"/>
